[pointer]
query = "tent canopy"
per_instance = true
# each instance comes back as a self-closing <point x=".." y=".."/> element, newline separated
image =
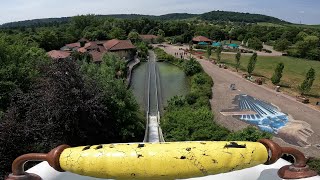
<point x="217" y="44"/>
<point x="233" y="45"/>
<point x="203" y="43"/>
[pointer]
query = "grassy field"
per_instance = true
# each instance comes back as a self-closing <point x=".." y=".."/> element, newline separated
<point x="294" y="71"/>
<point x="316" y="26"/>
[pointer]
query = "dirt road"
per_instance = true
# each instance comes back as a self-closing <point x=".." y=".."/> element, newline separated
<point x="223" y="96"/>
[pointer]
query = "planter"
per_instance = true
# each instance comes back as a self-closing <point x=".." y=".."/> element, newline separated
<point x="259" y="81"/>
<point x="302" y="99"/>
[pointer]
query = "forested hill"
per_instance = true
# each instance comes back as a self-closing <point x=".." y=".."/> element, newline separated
<point x="217" y="16"/>
<point x="239" y="17"/>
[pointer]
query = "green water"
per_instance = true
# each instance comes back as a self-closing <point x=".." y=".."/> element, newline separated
<point x="173" y="82"/>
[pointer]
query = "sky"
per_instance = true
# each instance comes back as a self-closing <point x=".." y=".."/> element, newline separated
<point x="296" y="11"/>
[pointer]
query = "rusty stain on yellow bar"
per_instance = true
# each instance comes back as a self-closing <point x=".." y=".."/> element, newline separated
<point x="176" y="160"/>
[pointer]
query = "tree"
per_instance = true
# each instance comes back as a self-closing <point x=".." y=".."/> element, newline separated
<point x="134" y="36"/>
<point x="192" y="67"/>
<point x="218" y="53"/>
<point x="209" y="51"/>
<point x="277" y="74"/>
<point x="118" y="33"/>
<point x="255" y="43"/>
<point x="238" y="58"/>
<point x="282" y="44"/>
<point x="252" y="63"/>
<point x="308" y="82"/>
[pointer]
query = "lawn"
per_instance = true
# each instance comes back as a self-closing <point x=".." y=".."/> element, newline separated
<point x="294" y="71"/>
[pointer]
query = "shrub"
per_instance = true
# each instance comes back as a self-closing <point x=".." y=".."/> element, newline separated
<point x="255" y="43"/>
<point x="192" y="67"/>
<point x="249" y="134"/>
<point x="277" y="74"/>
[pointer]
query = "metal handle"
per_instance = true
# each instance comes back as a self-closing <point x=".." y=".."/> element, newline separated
<point x="299" y="169"/>
<point x="52" y="158"/>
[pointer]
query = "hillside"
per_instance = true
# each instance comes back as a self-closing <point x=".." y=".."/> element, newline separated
<point x="223" y="16"/>
<point x="216" y="16"/>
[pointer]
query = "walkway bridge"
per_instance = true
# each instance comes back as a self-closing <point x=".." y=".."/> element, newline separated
<point x="153" y="102"/>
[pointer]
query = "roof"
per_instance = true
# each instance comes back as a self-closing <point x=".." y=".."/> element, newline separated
<point x="96" y="56"/>
<point x="58" y="54"/>
<point x="116" y="45"/>
<point x="148" y="36"/>
<point x="91" y="45"/>
<point x="201" y="39"/>
<point x="73" y="45"/>
<point x="82" y="50"/>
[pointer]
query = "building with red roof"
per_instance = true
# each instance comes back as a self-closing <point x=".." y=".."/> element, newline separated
<point x="149" y="38"/>
<point x="124" y="48"/>
<point x="199" y="39"/>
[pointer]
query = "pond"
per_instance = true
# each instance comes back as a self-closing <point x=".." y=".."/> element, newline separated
<point x="173" y="82"/>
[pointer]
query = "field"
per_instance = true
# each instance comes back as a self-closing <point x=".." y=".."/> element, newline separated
<point x="294" y="71"/>
<point x="316" y="26"/>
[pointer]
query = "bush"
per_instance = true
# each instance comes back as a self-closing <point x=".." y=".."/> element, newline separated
<point x="188" y="124"/>
<point x="282" y="45"/>
<point x="191" y="98"/>
<point x="249" y="134"/>
<point x="192" y="67"/>
<point x="314" y="164"/>
<point x="255" y="43"/>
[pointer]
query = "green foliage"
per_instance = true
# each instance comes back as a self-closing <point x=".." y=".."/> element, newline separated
<point x="238" y="63"/>
<point x="163" y="56"/>
<point x="218" y="53"/>
<point x="226" y="16"/>
<point x="209" y="51"/>
<point x="252" y="63"/>
<point x="192" y="67"/>
<point x="255" y="43"/>
<point x="188" y="124"/>
<point x="118" y="33"/>
<point x="282" y="45"/>
<point x="277" y="74"/>
<point x="248" y="134"/>
<point x="314" y="164"/>
<point x="71" y="105"/>
<point x="308" y="82"/>
<point x="142" y="48"/>
<point x="19" y="63"/>
<point x="134" y="36"/>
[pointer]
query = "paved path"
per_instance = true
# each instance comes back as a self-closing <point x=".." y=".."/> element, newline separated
<point x="222" y="98"/>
